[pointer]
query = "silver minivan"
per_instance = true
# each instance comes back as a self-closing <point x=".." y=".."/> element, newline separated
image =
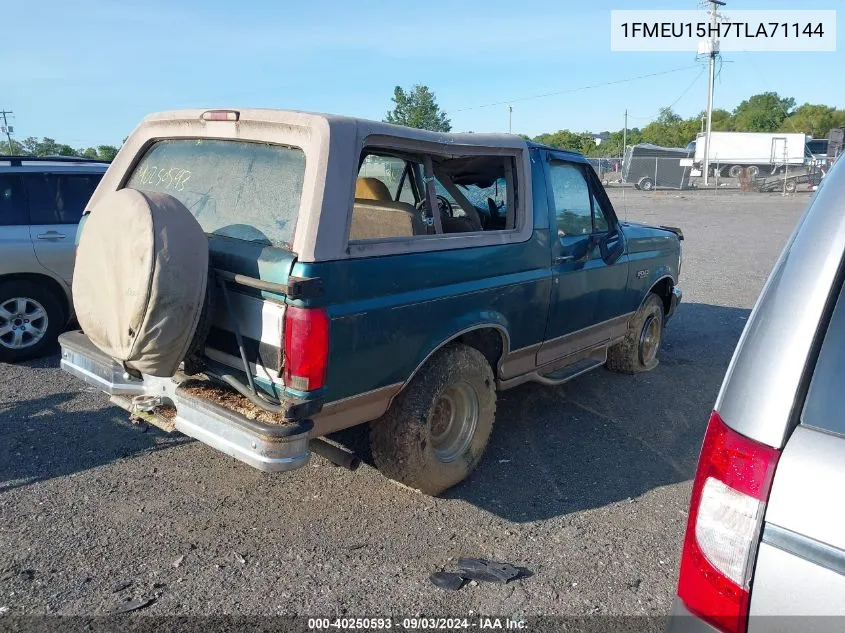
<point x="41" y="201"/>
<point x="765" y="543"/>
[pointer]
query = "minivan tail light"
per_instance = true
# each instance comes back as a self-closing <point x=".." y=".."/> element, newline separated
<point x="306" y="347"/>
<point x="729" y="494"/>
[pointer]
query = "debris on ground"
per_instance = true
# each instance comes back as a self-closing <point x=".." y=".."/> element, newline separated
<point x="447" y="580"/>
<point x="232" y="400"/>
<point x="134" y="605"/>
<point x="121" y="586"/>
<point x="239" y="558"/>
<point x="478" y="570"/>
<point x="178" y="561"/>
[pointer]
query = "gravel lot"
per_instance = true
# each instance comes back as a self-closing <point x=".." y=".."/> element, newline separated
<point x="586" y="484"/>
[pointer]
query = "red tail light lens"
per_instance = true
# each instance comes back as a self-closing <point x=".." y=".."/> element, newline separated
<point x="306" y="348"/>
<point x="729" y="494"/>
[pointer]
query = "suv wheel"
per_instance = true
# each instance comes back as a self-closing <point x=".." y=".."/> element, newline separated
<point x="437" y="429"/>
<point x="30" y="320"/>
<point x="637" y="352"/>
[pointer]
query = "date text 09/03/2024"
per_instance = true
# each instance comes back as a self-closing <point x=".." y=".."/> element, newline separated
<point x="416" y="623"/>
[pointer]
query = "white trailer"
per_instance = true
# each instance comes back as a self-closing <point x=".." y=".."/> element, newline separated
<point x="766" y="153"/>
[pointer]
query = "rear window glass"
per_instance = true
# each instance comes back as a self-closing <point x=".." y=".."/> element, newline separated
<point x="825" y="404"/>
<point x="239" y="189"/>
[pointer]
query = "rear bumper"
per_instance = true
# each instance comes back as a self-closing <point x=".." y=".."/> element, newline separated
<point x="682" y="621"/>
<point x="270" y="448"/>
<point x="674" y="301"/>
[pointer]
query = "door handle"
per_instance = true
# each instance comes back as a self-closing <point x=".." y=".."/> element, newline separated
<point x="51" y="235"/>
<point x="564" y="259"/>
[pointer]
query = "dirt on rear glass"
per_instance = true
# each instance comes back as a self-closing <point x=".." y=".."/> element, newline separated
<point x="232" y="400"/>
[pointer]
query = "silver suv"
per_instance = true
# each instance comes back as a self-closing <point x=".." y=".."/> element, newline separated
<point x="766" y="530"/>
<point x="41" y="201"/>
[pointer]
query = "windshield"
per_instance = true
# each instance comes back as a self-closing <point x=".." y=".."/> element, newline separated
<point x="239" y="189"/>
<point x="478" y="196"/>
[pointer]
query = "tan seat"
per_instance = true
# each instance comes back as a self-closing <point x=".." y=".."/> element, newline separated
<point x="373" y="219"/>
<point x="371" y="189"/>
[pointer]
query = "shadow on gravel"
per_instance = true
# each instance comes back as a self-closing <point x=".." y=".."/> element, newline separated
<point x="43" y="438"/>
<point x="604" y="437"/>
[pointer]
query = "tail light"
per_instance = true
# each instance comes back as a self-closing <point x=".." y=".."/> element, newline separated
<point x="729" y="494"/>
<point x="306" y="347"/>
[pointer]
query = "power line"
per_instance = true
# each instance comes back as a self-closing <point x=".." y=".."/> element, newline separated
<point x="569" y="90"/>
<point x="688" y="88"/>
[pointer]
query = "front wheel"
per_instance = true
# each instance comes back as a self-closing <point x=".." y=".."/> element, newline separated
<point x="637" y="352"/>
<point x="437" y="429"/>
<point x="30" y="320"/>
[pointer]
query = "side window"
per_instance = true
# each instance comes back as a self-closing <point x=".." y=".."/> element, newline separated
<point x="824" y="407"/>
<point x="387" y="170"/>
<point x="600" y="224"/>
<point x="573" y="211"/>
<point x="59" y="198"/>
<point x="12" y="201"/>
<point x="473" y="193"/>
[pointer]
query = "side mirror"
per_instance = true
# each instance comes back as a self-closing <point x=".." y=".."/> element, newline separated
<point x="611" y="247"/>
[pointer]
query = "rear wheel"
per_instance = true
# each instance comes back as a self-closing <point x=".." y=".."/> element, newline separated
<point x="734" y="171"/>
<point x="437" y="429"/>
<point x="31" y="318"/>
<point x="646" y="183"/>
<point x="790" y="186"/>
<point x="637" y="352"/>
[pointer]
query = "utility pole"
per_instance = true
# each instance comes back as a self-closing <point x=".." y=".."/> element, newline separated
<point x="625" y="135"/>
<point x="510" y="119"/>
<point x="713" y="50"/>
<point x="3" y="113"/>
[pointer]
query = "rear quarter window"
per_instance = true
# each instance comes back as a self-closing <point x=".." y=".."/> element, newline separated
<point x="239" y="189"/>
<point x="824" y="407"/>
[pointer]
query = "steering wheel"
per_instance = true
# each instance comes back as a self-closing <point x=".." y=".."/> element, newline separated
<point x="445" y="207"/>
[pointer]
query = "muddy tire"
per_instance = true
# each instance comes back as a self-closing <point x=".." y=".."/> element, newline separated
<point x="637" y="352"/>
<point x="31" y="317"/>
<point x="437" y="429"/>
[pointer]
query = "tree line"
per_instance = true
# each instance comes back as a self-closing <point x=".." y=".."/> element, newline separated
<point x="764" y="112"/>
<point x="31" y="146"/>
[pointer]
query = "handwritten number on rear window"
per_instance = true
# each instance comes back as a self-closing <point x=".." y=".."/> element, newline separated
<point x="173" y="178"/>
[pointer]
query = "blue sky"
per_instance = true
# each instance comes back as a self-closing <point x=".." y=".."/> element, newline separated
<point x="85" y="72"/>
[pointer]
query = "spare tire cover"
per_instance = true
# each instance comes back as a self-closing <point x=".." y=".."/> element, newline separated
<point x="140" y="279"/>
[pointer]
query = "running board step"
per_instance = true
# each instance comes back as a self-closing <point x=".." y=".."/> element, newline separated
<point x="569" y="372"/>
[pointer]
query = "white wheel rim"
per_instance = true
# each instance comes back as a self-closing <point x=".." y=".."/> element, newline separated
<point x="453" y="421"/>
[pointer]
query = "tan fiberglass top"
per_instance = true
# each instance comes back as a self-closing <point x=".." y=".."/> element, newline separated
<point x="332" y="146"/>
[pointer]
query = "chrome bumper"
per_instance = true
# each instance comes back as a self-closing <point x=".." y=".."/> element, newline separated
<point x="270" y="448"/>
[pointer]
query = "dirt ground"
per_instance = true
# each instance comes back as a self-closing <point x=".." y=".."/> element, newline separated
<point x="585" y="484"/>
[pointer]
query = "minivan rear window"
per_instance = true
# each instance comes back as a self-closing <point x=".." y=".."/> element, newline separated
<point x="238" y="189"/>
<point x="824" y="407"/>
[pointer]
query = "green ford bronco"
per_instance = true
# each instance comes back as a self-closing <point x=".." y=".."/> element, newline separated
<point x="259" y="279"/>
